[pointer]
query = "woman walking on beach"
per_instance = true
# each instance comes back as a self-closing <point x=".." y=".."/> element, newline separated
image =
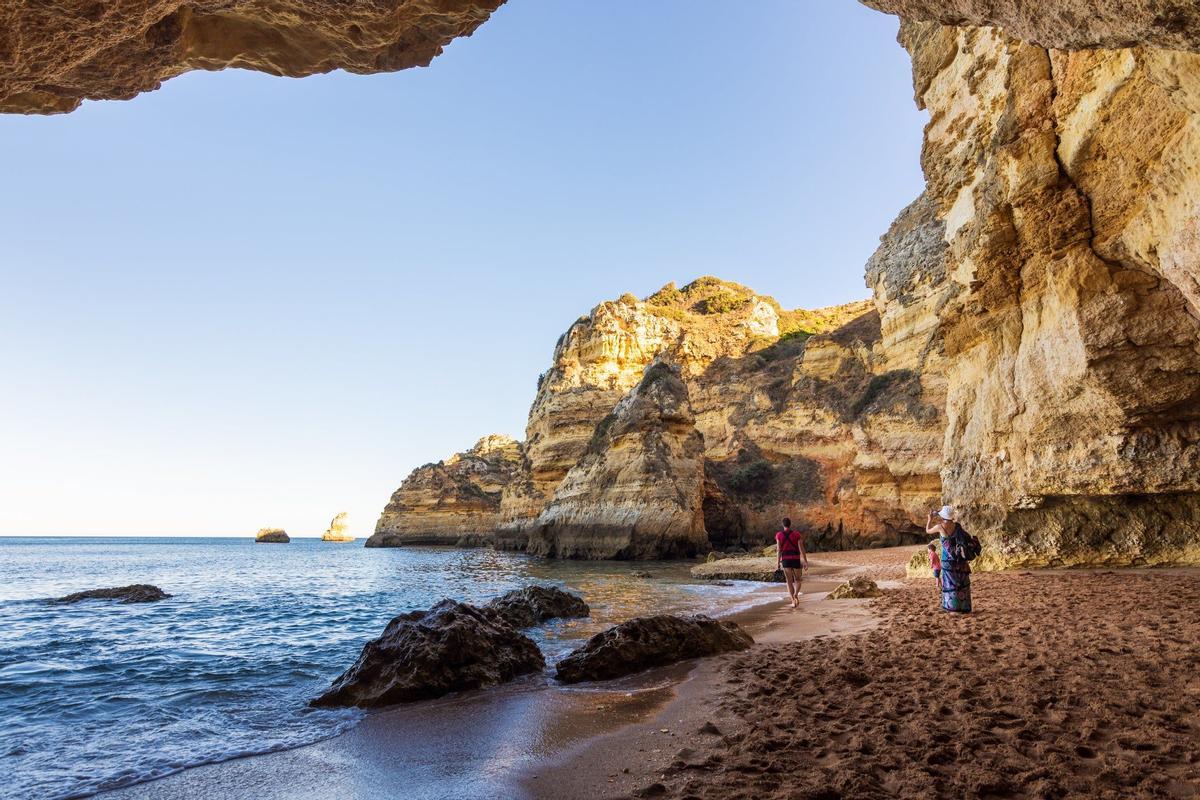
<point x="791" y="558"/>
<point x="955" y="564"/>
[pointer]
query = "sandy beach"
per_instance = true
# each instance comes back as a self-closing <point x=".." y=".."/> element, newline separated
<point x="1061" y="684"/>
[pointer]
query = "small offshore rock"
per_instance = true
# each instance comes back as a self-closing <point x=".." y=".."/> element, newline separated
<point x="426" y="654"/>
<point x="135" y="593"/>
<point x="532" y="605"/>
<point x="272" y="536"/>
<point x="854" y="589"/>
<point x="645" y="642"/>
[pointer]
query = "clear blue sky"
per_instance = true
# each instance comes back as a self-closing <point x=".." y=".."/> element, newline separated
<point x="243" y="301"/>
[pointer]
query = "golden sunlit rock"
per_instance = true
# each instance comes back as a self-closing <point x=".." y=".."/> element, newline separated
<point x="338" y="530"/>
<point x="55" y="55"/>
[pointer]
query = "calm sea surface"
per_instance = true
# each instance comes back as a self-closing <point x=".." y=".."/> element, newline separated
<point x="98" y="695"/>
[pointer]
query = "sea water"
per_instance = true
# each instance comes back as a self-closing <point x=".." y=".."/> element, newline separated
<point x="97" y="695"/>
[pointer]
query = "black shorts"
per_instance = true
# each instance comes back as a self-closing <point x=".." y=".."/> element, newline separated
<point x="792" y="563"/>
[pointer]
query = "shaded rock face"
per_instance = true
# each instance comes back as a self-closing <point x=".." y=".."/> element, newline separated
<point x="1068" y="188"/>
<point x="638" y="490"/>
<point x="826" y="431"/>
<point x="135" y="593"/>
<point x="644" y="642"/>
<point x="272" y="536"/>
<point x="426" y="654"/>
<point x="533" y="605"/>
<point x="452" y="502"/>
<point x="52" y="56"/>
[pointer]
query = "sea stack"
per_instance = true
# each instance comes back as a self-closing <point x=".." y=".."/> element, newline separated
<point x="272" y="536"/>
<point x="337" y="530"/>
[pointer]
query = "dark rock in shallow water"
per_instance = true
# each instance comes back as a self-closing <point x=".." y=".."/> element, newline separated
<point x="524" y="608"/>
<point x="426" y="654"/>
<point x="136" y="593"/>
<point x="646" y="642"/>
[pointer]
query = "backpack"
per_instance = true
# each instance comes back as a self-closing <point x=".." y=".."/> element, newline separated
<point x="964" y="546"/>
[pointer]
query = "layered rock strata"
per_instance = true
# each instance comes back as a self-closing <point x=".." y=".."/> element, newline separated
<point x="55" y="55"/>
<point x="452" y="502"/>
<point x="1068" y="184"/>
<point x="638" y="489"/>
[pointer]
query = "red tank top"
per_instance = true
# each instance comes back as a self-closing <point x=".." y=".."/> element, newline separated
<point x="789" y="544"/>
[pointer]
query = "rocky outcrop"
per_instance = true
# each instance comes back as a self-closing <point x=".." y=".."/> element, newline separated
<point x="533" y="605"/>
<point x="452" y="502"/>
<point x="53" y="56"/>
<point x="644" y="642"/>
<point x="135" y="593"/>
<point x="339" y="530"/>
<point x="786" y="412"/>
<point x="856" y="588"/>
<point x="1067" y="24"/>
<point x="272" y="536"/>
<point x="637" y="491"/>
<point x="1067" y="184"/>
<point x="426" y="654"/>
<point x="602" y="357"/>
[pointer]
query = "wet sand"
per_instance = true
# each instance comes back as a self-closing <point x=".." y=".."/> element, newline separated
<point x="1060" y="685"/>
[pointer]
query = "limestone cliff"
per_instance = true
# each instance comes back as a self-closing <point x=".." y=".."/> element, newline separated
<point x="456" y="501"/>
<point x="54" y="55"/>
<point x="1068" y="185"/>
<point x="603" y="355"/>
<point x="638" y="489"/>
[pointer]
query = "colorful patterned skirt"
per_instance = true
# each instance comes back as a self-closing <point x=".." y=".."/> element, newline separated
<point x="956" y="587"/>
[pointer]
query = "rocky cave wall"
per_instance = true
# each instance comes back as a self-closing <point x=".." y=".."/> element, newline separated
<point x="55" y="55"/>
<point x="1067" y="184"/>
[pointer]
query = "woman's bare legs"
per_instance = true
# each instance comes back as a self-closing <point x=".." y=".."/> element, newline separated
<point x="792" y="576"/>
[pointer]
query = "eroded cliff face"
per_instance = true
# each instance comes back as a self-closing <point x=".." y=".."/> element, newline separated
<point x="452" y="502"/>
<point x="603" y="355"/>
<point x="1067" y="184"/>
<point x="55" y="55"/>
<point x="798" y="412"/>
<point x="637" y="491"/>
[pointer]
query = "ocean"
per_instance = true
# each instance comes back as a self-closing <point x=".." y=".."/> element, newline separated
<point x="98" y="695"/>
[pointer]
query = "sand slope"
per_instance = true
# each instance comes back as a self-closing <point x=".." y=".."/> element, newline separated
<point x="1061" y="685"/>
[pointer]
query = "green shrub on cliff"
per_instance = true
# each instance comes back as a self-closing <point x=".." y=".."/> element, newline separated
<point x="722" y="303"/>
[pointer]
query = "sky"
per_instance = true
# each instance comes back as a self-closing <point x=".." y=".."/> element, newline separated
<point x="243" y="301"/>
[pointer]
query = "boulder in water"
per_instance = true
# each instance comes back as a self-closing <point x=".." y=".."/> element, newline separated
<point x="135" y="593"/>
<point x="524" y="608"/>
<point x="426" y="654"/>
<point x="645" y="642"/>
<point x="272" y="536"/>
<point x="855" y="589"/>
